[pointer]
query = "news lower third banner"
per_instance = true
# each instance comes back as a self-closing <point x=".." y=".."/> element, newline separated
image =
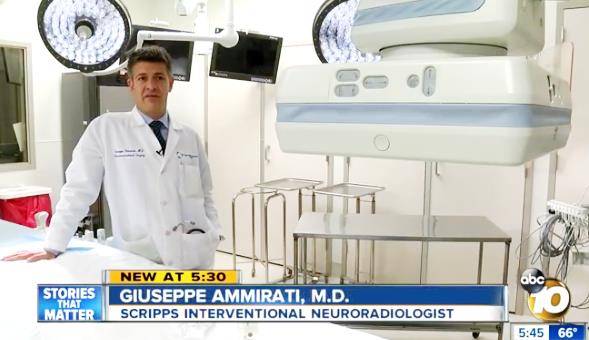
<point x="240" y="303"/>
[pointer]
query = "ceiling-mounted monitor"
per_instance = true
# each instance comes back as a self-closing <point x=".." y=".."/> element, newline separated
<point x="254" y="58"/>
<point x="180" y="51"/>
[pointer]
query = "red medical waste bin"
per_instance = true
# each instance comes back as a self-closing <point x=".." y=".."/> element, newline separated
<point x="20" y="204"/>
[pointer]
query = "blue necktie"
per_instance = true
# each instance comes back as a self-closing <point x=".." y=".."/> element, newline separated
<point x="156" y="126"/>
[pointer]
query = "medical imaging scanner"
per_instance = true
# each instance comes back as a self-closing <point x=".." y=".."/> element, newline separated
<point x="443" y="80"/>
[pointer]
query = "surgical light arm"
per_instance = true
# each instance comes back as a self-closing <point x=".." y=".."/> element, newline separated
<point x="227" y="38"/>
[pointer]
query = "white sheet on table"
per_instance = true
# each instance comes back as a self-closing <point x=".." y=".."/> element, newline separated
<point x="84" y="263"/>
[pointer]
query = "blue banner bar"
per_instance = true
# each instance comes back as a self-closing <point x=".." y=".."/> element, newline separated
<point x="306" y="295"/>
<point x="567" y="331"/>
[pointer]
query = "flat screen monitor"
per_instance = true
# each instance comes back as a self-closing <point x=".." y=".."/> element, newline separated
<point x="180" y="51"/>
<point x="254" y="58"/>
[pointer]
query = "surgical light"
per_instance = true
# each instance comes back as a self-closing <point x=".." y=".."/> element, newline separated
<point x="87" y="35"/>
<point x="332" y="31"/>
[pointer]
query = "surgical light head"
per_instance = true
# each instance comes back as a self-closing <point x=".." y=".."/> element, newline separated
<point x="87" y="35"/>
<point x="90" y="35"/>
<point x="332" y="30"/>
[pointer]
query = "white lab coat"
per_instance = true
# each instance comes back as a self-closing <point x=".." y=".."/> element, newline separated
<point x="148" y="194"/>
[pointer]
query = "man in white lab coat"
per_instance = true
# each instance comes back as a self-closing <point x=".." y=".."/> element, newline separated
<point x="155" y="174"/>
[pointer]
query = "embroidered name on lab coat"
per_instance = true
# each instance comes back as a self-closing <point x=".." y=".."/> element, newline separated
<point x="128" y="153"/>
<point x="186" y="158"/>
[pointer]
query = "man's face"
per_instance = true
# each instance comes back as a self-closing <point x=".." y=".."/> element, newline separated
<point x="150" y="83"/>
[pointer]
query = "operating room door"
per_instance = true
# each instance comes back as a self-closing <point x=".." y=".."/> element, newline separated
<point x="83" y="99"/>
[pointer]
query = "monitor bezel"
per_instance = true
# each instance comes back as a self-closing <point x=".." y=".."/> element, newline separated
<point x="213" y="72"/>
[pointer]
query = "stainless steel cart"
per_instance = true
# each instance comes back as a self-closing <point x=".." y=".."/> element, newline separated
<point x="384" y="227"/>
<point x="269" y="191"/>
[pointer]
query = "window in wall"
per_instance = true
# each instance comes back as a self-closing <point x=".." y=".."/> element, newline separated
<point x="14" y="143"/>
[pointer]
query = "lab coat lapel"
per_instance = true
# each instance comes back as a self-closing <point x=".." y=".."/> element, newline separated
<point x="147" y="136"/>
<point x="171" y="144"/>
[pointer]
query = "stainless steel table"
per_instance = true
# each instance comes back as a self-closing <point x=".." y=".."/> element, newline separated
<point x="385" y="227"/>
<point x="347" y="191"/>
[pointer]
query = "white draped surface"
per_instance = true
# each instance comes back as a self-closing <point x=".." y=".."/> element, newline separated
<point x="83" y="263"/>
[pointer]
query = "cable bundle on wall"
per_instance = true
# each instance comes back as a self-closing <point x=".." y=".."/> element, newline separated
<point x="564" y="228"/>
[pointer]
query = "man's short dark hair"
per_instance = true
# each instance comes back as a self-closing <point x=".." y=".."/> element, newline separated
<point x="152" y="53"/>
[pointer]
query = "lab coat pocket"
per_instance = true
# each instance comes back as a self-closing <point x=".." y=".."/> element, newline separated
<point x="198" y="250"/>
<point x="191" y="183"/>
<point x="143" y="246"/>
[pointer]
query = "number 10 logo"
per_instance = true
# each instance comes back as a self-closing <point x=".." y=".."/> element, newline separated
<point x="549" y="298"/>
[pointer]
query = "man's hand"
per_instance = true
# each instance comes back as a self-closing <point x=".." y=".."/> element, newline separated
<point x="30" y="256"/>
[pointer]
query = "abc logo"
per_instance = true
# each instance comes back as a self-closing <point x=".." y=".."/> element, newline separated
<point x="549" y="298"/>
<point x="532" y="280"/>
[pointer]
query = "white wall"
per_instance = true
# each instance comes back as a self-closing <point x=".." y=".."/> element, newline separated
<point x="572" y="182"/>
<point x="18" y="24"/>
<point x="573" y="162"/>
<point x="289" y="19"/>
<point x="234" y="119"/>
